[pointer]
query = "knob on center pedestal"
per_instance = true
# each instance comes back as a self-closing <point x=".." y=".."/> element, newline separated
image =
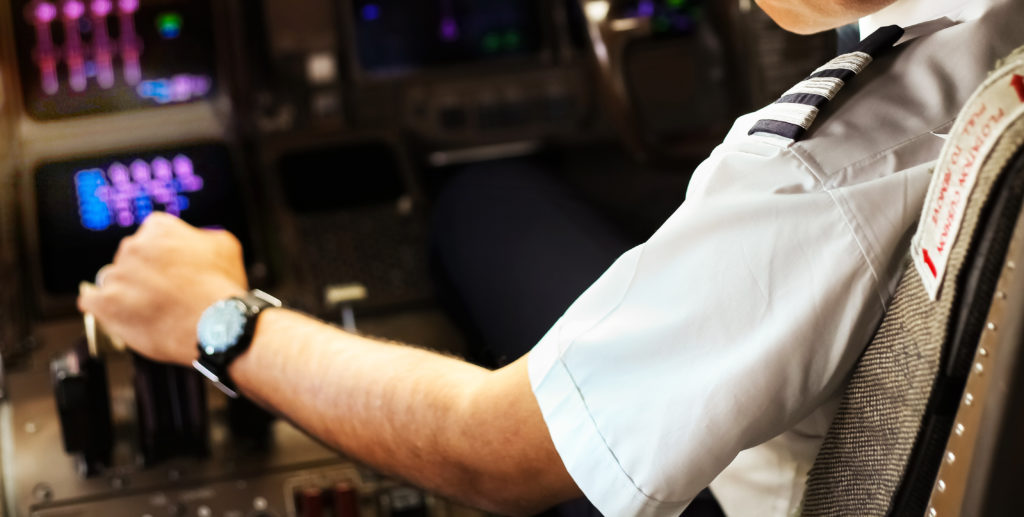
<point x="310" y="502"/>
<point x="346" y="500"/>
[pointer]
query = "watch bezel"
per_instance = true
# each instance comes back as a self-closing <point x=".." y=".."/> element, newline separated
<point x="214" y="366"/>
<point x="240" y="307"/>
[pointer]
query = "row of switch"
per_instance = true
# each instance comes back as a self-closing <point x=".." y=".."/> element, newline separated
<point x="341" y="500"/>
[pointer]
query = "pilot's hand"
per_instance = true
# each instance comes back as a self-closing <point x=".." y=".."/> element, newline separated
<point x="161" y="281"/>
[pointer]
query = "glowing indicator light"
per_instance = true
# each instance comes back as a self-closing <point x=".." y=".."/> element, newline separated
<point x="74" y="52"/>
<point x="449" y="29"/>
<point x="371" y="12"/>
<point x="645" y="8"/>
<point x="118" y="173"/>
<point x="101" y="7"/>
<point x="169" y="25"/>
<point x="91" y="207"/>
<point x="73" y="10"/>
<point x="179" y="88"/>
<point x="492" y="42"/>
<point x="103" y="47"/>
<point x="143" y="207"/>
<point x="676" y="4"/>
<point x="183" y="166"/>
<point x="140" y="171"/>
<point x="41" y="15"/>
<point x="162" y="169"/>
<point x="597" y="10"/>
<point x="45" y="12"/>
<point x="128" y="6"/>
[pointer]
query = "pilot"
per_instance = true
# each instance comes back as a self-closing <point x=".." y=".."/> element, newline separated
<point x="713" y="354"/>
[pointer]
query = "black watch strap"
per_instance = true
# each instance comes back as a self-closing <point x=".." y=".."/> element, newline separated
<point x="215" y="366"/>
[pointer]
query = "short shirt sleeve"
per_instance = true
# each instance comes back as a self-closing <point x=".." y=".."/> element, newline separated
<point x="737" y="319"/>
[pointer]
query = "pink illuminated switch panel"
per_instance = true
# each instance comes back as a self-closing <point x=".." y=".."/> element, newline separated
<point x="82" y="47"/>
<point x="126" y="193"/>
<point x="84" y="55"/>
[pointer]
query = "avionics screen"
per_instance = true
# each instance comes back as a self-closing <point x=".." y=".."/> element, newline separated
<point x="394" y="36"/>
<point x="668" y="17"/>
<point x="80" y="57"/>
<point x="85" y="207"/>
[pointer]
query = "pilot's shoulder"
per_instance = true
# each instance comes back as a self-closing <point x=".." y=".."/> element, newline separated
<point x="869" y="116"/>
<point x="796" y="110"/>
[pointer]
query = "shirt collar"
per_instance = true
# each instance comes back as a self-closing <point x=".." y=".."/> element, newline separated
<point x="925" y="13"/>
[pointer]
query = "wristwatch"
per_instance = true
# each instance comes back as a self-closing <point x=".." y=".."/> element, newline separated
<point x="225" y="331"/>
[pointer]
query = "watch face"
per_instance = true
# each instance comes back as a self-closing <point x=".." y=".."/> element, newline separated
<point x="221" y="326"/>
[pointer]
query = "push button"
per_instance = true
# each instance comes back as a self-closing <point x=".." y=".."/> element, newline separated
<point x="310" y="501"/>
<point x="346" y="501"/>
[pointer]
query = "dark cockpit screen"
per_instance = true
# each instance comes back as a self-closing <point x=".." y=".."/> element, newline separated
<point x="81" y="57"/>
<point x="668" y="17"/>
<point x="85" y="207"/>
<point x="395" y="36"/>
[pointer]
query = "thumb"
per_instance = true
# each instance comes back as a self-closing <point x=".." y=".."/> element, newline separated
<point x="87" y="297"/>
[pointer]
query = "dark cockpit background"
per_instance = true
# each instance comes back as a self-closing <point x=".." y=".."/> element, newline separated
<point x="335" y="138"/>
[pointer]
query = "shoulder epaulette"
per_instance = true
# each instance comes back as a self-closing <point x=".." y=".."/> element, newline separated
<point x="795" y="111"/>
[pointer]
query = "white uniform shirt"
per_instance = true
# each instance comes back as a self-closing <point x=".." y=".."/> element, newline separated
<point x="716" y="352"/>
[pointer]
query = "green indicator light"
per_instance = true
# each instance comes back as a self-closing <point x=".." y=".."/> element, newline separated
<point x="492" y="42"/>
<point x="169" y="25"/>
<point x="512" y="40"/>
<point x="676" y="4"/>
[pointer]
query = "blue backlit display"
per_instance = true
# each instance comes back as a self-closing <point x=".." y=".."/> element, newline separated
<point x="125" y="194"/>
<point x="86" y="206"/>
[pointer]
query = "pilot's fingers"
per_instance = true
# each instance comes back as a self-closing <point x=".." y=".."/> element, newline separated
<point x="108" y="304"/>
<point x="128" y="248"/>
<point x="128" y="306"/>
<point x="86" y="296"/>
<point x="160" y="226"/>
<point x="115" y="292"/>
<point x="163" y="222"/>
<point x="165" y="241"/>
<point x="157" y="232"/>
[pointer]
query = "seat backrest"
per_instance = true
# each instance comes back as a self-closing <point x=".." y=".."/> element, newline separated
<point x="986" y="439"/>
<point x="884" y="449"/>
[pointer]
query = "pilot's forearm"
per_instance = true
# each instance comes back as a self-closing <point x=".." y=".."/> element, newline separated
<point x="446" y="425"/>
<point x="441" y="423"/>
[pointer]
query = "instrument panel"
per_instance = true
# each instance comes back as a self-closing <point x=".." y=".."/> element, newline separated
<point x="83" y="57"/>
<point x="393" y="36"/>
<point x="113" y="98"/>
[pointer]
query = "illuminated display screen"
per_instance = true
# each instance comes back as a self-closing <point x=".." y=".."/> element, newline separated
<point x="80" y="57"/>
<point x="667" y="16"/>
<point x="87" y="206"/>
<point x="394" y="36"/>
